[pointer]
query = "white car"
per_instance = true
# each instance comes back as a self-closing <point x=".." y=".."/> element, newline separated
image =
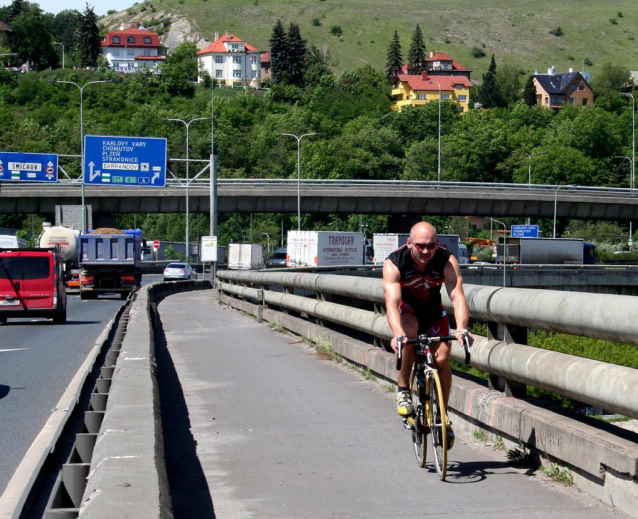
<point x="179" y="271"/>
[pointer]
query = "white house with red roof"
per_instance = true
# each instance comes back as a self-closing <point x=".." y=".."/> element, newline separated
<point x="130" y="50"/>
<point x="231" y="60"/>
<point x="417" y="89"/>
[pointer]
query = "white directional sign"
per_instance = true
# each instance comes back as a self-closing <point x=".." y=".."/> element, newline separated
<point x="125" y="161"/>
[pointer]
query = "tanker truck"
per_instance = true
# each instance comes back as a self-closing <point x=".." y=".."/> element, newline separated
<point x="65" y="240"/>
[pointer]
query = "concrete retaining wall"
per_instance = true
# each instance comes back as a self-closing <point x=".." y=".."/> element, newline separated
<point x="602" y="458"/>
<point x="128" y="476"/>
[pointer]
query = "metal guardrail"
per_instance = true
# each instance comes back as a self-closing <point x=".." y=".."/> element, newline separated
<point x="600" y="316"/>
<point x="532" y="189"/>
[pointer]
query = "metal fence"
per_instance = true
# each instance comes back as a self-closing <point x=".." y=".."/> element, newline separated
<point x="509" y="313"/>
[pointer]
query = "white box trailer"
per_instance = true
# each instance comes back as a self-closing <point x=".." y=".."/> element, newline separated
<point x="325" y="249"/>
<point x="384" y="244"/>
<point x="248" y="256"/>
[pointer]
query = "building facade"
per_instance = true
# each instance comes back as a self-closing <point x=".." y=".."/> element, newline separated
<point x="554" y="90"/>
<point x="416" y="90"/>
<point x="131" y="50"/>
<point x="231" y="60"/>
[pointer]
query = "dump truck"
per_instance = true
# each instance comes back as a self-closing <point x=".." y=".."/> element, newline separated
<point x="110" y="263"/>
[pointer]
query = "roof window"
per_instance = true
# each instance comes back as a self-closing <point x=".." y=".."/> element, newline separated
<point x="116" y="39"/>
<point x="130" y="39"/>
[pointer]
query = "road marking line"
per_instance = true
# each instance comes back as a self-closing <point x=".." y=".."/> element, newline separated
<point x="15" y="349"/>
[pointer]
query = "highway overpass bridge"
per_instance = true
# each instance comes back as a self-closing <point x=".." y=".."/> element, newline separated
<point x="336" y="197"/>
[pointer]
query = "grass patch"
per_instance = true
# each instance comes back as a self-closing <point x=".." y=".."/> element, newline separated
<point x="326" y="351"/>
<point x="367" y="374"/>
<point x="480" y="435"/>
<point x="558" y="473"/>
<point x="277" y="327"/>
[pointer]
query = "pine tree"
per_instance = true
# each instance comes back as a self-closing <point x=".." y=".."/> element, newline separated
<point x="394" y="63"/>
<point x="416" y="55"/>
<point x="296" y="55"/>
<point x="489" y="94"/>
<point x="278" y="53"/>
<point x="14" y="10"/>
<point x="529" y="93"/>
<point x="89" y="38"/>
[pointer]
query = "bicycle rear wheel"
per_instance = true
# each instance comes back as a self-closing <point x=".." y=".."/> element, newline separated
<point x="419" y="436"/>
<point x="437" y="420"/>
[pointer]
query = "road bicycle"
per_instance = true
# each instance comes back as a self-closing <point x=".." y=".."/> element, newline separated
<point x="430" y="417"/>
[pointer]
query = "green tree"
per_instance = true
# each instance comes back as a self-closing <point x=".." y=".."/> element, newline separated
<point x="607" y="84"/>
<point x="529" y="93"/>
<point x="14" y="10"/>
<point x="509" y="83"/>
<point x="489" y="94"/>
<point x="296" y="55"/>
<point x="394" y="61"/>
<point x="88" y="38"/>
<point x="180" y="69"/>
<point x="318" y="65"/>
<point x="278" y="53"/>
<point x="416" y="54"/>
<point x="31" y="38"/>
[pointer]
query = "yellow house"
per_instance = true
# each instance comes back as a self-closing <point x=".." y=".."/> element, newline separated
<point x="416" y="90"/>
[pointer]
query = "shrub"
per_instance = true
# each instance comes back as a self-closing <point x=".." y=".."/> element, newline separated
<point x="556" y="32"/>
<point x="588" y="62"/>
<point x="613" y="21"/>
<point x="316" y="22"/>
<point x="111" y="11"/>
<point x="336" y="30"/>
<point x="477" y="52"/>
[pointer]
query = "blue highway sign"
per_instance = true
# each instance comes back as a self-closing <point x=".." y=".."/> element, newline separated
<point x="524" y="231"/>
<point x="29" y="167"/>
<point x="124" y="161"/>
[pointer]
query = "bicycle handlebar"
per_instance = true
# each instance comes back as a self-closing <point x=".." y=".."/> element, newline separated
<point x="429" y="340"/>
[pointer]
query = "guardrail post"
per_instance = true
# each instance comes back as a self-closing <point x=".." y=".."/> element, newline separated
<point x="379" y="309"/>
<point x="322" y="296"/>
<point x="260" y="306"/>
<point x="509" y="334"/>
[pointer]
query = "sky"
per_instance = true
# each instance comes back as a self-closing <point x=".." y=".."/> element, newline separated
<point x="99" y="7"/>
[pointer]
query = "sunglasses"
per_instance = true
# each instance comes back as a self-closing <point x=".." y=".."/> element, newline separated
<point x="423" y="246"/>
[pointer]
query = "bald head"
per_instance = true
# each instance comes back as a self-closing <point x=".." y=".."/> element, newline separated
<point x="423" y="232"/>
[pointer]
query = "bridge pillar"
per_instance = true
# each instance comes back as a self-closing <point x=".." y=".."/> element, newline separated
<point x="509" y="334"/>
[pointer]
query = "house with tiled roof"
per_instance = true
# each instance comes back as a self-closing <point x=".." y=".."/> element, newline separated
<point x="439" y="64"/>
<point x="232" y="60"/>
<point x="265" y="65"/>
<point x="554" y="90"/>
<point x="417" y="89"/>
<point x="130" y="50"/>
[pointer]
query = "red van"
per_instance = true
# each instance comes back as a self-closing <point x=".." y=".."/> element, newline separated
<point x="32" y="284"/>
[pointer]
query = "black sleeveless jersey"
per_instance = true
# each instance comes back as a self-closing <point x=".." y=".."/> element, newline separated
<point x="422" y="290"/>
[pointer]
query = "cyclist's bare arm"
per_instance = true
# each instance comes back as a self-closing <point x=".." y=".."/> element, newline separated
<point x="454" y="287"/>
<point x="392" y="291"/>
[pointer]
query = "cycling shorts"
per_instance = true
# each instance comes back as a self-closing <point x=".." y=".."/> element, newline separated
<point x="437" y="328"/>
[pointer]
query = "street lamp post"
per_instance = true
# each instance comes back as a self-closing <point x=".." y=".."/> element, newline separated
<point x="633" y="139"/>
<point x="529" y="165"/>
<point x="62" y="44"/>
<point x="298" y="171"/>
<point x="439" y="161"/>
<point x="268" y="238"/>
<point x="504" y="245"/>
<point x="81" y="89"/>
<point x="556" y="203"/>
<point x="631" y="223"/>
<point x="187" y="125"/>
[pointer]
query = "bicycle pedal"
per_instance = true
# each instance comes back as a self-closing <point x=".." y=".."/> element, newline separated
<point x="408" y="423"/>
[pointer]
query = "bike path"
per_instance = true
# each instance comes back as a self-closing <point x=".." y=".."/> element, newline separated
<point x="261" y="427"/>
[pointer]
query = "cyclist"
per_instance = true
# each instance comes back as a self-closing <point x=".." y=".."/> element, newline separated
<point x="412" y="279"/>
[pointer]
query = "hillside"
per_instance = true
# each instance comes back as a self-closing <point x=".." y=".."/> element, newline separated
<point x="517" y="32"/>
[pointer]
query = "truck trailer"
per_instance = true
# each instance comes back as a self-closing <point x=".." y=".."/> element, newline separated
<point x="245" y="256"/>
<point x="325" y="249"/>
<point x="384" y="244"/>
<point x="546" y="251"/>
<point x="110" y="263"/>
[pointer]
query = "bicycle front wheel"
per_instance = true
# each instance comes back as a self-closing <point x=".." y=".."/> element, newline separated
<point x="437" y="419"/>
<point x="419" y="436"/>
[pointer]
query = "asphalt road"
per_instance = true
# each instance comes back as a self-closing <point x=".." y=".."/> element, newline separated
<point x="37" y="361"/>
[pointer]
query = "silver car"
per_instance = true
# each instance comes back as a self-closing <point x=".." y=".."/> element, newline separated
<point x="179" y="271"/>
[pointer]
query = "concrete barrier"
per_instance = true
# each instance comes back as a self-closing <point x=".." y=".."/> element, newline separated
<point x="127" y="477"/>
